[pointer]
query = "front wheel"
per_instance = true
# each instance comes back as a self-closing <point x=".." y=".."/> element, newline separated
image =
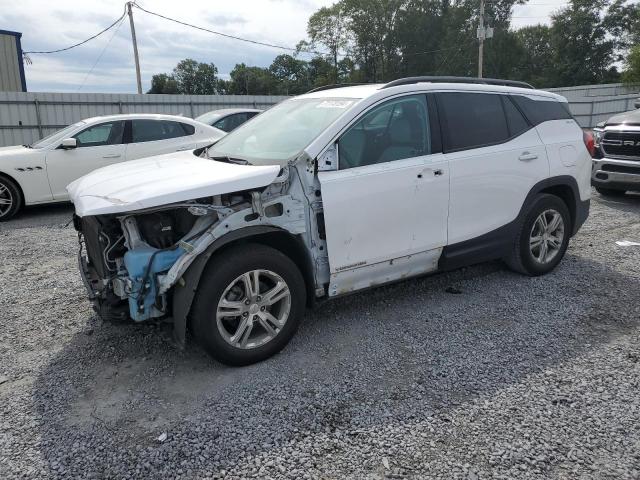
<point x="543" y="237"/>
<point x="249" y="303"/>
<point x="10" y="199"/>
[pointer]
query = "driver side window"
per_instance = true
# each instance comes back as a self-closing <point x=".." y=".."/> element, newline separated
<point x="395" y="130"/>
<point x="101" y="134"/>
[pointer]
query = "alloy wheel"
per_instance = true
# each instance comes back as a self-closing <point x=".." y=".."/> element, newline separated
<point x="547" y="236"/>
<point x="6" y="200"/>
<point x="253" y="309"/>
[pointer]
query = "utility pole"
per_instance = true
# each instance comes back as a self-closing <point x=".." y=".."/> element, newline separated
<point x="135" y="47"/>
<point x="481" y="37"/>
<point x="484" y="33"/>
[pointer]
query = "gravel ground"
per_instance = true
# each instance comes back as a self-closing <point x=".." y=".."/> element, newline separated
<point x="514" y="377"/>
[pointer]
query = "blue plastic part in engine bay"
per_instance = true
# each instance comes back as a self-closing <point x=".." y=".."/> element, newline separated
<point x="136" y="262"/>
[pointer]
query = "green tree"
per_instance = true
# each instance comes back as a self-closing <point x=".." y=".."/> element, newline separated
<point x="327" y="27"/>
<point x="195" y="78"/>
<point x="247" y="80"/>
<point x="320" y="72"/>
<point x="290" y="73"/>
<point x="631" y="74"/>
<point x="163" y="83"/>
<point x="582" y="49"/>
<point x="536" y="63"/>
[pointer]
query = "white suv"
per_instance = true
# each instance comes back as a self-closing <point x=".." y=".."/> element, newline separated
<point x="328" y="193"/>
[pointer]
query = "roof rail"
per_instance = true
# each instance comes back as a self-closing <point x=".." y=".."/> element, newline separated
<point x="482" y="81"/>
<point x="335" y="85"/>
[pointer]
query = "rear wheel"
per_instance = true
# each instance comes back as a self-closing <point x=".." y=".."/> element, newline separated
<point x="610" y="192"/>
<point x="250" y="301"/>
<point x="10" y="199"/>
<point x="543" y="237"/>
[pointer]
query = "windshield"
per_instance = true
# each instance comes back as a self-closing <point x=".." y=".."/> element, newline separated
<point x="57" y="136"/>
<point x="282" y="132"/>
<point x="209" y="118"/>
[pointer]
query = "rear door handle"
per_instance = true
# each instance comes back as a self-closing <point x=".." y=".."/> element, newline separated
<point x="526" y="156"/>
<point x="115" y="155"/>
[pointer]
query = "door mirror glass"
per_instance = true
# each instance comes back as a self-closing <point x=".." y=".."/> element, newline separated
<point x="328" y="160"/>
<point x="69" y="143"/>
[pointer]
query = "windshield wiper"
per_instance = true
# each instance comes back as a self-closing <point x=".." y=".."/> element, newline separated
<point x="237" y="161"/>
<point x="27" y="146"/>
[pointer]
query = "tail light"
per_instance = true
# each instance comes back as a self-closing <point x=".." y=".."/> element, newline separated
<point x="589" y="142"/>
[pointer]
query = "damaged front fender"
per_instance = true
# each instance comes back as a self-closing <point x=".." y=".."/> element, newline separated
<point x="185" y="289"/>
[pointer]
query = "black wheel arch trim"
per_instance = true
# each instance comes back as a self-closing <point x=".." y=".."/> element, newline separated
<point x="185" y="290"/>
<point x="497" y="243"/>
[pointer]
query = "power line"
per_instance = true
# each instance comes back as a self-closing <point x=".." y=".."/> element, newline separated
<point x="80" y="43"/>
<point x="431" y="51"/>
<point x="233" y="37"/>
<point x="101" y="53"/>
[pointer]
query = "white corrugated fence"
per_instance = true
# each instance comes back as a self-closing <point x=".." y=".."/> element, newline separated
<point x="592" y="104"/>
<point x="28" y="116"/>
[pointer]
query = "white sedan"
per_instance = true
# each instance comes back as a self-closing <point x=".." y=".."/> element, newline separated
<point x="39" y="173"/>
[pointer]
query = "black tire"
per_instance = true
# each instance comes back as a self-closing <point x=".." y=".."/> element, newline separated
<point x="9" y="191"/>
<point x="220" y="273"/>
<point x="522" y="259"/>
<point x="610" y="192"/>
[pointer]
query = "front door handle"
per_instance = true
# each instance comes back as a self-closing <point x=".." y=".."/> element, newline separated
<point x="526" y="157"/>
<point x="182" y="149"/>
<point x="115" y="155"/>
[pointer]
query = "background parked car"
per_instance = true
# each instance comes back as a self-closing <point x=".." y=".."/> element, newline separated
<point x="228" y="119"/>
<point x="40" y="173"/>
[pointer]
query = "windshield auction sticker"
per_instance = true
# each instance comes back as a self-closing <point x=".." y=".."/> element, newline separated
<point x="335" y="104"/>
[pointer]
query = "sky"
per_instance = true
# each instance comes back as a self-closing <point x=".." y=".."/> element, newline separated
<point x="105" y="64"/>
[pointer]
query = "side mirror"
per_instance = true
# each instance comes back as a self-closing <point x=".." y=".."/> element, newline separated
<point x="328" y="160"/>
<point x="636" y="104"/>
<point x="69" y="143"/>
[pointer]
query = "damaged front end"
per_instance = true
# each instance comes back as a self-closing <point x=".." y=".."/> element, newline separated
<point x="124" y="258"/>
<point x="130" y="262"/>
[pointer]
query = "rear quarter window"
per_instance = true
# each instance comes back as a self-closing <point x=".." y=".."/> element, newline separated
<point x="540" y="111"/>
<point x="188" y="129"/>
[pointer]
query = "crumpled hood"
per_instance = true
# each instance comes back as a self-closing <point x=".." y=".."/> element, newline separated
<point x="161" y="180"/>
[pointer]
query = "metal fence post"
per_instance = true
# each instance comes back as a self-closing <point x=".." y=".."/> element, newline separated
<point x="591" y="125"/>
<point x="191" y="108"/>
<point x="120" y="107"/>
<point x="38" y="119"/>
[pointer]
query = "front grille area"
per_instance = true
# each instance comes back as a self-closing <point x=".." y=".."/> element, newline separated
<point x="622" y="144"/>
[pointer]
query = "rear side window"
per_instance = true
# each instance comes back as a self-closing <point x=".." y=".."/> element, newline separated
<point x="152" y="130"/>
<point x="471" y="120"/>
<point x="539" y="111"/>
